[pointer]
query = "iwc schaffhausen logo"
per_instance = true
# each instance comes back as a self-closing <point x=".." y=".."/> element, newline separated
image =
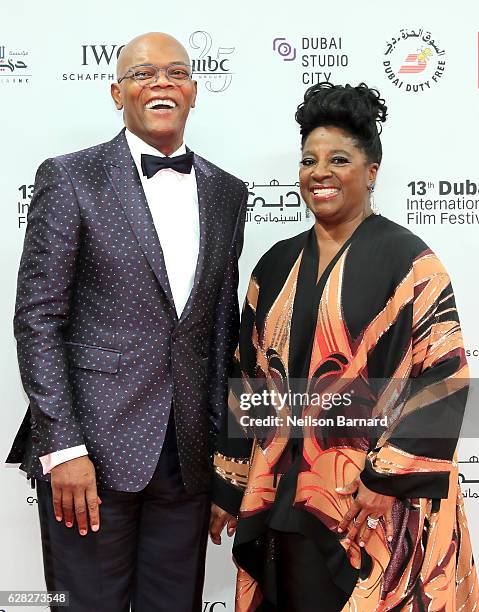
<point x="413" y="60"/>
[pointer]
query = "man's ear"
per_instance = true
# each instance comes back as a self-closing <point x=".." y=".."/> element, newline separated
<point x="116" y="95"/>
<point x="193" y="101"/>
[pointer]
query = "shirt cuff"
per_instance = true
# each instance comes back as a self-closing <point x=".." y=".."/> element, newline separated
<point x="53" y="459"/>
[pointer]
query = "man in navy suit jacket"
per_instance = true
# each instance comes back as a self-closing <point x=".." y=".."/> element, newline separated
<point x="126" y="321"/>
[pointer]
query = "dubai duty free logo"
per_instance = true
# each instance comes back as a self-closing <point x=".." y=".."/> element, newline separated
<point x="413" y="60"/>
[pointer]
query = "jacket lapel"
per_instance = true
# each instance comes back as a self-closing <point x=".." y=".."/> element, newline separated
<point x="205" y="182"/>
<point x="123" y="175"/>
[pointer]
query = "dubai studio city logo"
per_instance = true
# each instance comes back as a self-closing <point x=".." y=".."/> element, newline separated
<point x="14" y="66"/>
<point x="413" y="60"/>
<point x="211" y="65"/>
<point x="284" y="48"/>
<point x="320" y="57"/>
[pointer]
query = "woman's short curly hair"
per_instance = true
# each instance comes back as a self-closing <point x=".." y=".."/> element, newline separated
<point x="357" y="110"/>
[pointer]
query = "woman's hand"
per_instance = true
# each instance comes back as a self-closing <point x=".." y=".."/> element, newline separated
<point x="218" y="519"/>
<point x="366" y="503"/>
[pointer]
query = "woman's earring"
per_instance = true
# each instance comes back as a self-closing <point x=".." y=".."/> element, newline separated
<point x="372" y="203"/>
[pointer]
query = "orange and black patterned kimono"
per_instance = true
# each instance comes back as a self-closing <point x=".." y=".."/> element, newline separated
<point x="381" y="319"/>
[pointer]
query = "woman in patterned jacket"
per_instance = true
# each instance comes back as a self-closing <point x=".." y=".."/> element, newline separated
<point x="348" y="518"/>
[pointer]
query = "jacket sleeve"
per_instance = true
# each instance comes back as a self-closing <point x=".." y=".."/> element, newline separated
<point x="416" y="456"/>
<point x="226" y="324"/>
<point x="234" y="447"/>
<point x="45" y="282"/>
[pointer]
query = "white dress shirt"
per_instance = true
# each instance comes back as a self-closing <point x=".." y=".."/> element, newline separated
<point x="173" y="201"/>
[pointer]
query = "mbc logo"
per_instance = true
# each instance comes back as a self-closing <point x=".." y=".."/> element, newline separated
<point x="212" y="606"/>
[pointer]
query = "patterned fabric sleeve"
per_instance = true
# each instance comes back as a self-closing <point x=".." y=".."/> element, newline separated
<point x="225" y="331"/>
<point x="45" y="285"/>
<point x="232" y="456"/>
<point x="414" y="457"/>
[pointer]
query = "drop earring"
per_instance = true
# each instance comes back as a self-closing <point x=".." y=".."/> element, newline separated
<point x="372" y="202"/>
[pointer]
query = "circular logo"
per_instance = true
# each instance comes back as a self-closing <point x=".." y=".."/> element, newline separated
<point x="413" y="61"/>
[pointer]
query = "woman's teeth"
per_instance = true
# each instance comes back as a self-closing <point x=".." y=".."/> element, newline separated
<point x="323" y="192"/>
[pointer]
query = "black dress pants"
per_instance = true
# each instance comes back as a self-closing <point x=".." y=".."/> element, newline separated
<point x="149" y="552"/>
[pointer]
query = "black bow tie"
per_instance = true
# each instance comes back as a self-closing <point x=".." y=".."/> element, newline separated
<point x="150" y="164"/>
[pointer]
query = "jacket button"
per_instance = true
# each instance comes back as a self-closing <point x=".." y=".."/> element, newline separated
<point x="35" y="438"/>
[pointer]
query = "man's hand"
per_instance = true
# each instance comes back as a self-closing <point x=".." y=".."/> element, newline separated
<point x="74" y="492"/>
<point x="219" y="518"/>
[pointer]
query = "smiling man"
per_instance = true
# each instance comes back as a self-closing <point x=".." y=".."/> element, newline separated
<point x="126" y="321"/>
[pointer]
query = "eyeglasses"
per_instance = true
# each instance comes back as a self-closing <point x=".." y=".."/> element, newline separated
<point x="147" y="74"/>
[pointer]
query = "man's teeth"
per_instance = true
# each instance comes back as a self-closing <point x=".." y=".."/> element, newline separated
<point x="325" y="192"/>
<point x="160" y="104"/>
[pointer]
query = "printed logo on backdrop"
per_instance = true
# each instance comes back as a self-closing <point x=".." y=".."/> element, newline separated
<point x="96" y="62"/>
<point x="318" y="58"/>
<point x="413" y="61"/>
<point x="268" y="202"/>
<point x="284" y="49"/>
<point x="442" y="202"/>
<point x="275" y="202"/>
<point x="211" y="65"/>
<point x="23" y="203"/>
<point x="469" y="477"/>
<point x="14" y="68"/>
<point x="214" y="606"/>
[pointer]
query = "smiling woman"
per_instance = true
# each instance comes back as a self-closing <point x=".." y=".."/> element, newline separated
<point x="350" y="520"/>
<point x="341" y="156"/>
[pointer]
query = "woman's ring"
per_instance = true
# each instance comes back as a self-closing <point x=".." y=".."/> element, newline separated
<point x="372" y="522"/>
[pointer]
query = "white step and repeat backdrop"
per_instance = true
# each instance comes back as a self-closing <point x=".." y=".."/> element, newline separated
<point x="253" y="62"/>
